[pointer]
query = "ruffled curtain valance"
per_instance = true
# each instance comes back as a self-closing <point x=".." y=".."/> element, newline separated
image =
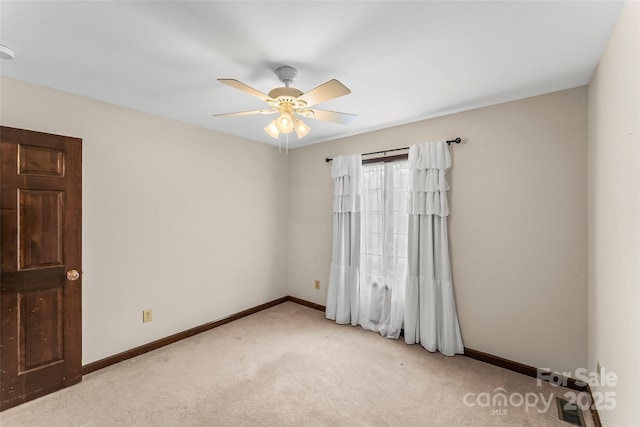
<point x="347" y="174"/>
<point x="428" y="164"/>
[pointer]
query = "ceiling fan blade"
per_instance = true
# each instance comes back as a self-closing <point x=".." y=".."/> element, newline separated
<point x="329" y="116"/>
<point x="326" y="91"/>
<point x="246" y="113"/>
<point x="246" y="88"/>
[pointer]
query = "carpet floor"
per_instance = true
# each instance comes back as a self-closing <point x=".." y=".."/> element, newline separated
<point x="289" y="366"/>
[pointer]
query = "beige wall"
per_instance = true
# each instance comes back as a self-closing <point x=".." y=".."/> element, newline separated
<point x="173" y="215"/>
<point x="518" y="227"/>
<point x="614" y="217"/>
<point x="178" y="242"/>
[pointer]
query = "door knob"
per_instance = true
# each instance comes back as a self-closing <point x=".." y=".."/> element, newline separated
<point x="73" y="275"/>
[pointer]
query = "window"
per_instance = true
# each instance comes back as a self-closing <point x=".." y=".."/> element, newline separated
<point x="384" y="245"/>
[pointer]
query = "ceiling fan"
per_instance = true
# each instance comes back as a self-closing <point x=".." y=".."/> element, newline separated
<point x="289" y="102"/>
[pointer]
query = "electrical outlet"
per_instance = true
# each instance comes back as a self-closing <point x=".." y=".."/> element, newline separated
<point x="147" y="316"/>
<point x="317" y="284"/>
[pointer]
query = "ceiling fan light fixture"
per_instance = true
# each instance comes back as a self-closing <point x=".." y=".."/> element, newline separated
<point x="285" y="122"/>
<point x="301" y="128"/>
<point x="272" y="130"/>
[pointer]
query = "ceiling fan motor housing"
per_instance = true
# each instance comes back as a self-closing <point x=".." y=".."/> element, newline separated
<point x="286" y="94"/>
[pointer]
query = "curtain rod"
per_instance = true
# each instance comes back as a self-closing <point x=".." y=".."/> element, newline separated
<point x="456" y="141"/>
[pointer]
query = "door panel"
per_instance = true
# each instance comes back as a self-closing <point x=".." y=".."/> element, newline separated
<point x="40" y="220"/>
<point x="41" y="161"/>
<point x="40" y="315"/>
<point x="41" y="240"/>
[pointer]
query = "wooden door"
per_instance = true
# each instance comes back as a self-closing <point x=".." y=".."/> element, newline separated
<point x="40" y="295"/>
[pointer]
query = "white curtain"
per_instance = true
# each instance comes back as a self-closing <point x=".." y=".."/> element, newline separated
<point x="344" y="276"/>
<point x="384" y="247"/>
<point x="430" y="315"/>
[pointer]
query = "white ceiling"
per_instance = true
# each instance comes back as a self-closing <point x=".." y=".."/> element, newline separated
<point x="403" y="61"/>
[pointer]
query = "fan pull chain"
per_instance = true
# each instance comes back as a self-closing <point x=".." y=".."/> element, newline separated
<point x="286" y="144"/>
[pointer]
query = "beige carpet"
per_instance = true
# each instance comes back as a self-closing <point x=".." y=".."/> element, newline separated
<point x="289" y="366"/>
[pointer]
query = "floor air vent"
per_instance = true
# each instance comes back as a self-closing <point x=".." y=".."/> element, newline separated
<point x="569" y="412"/>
